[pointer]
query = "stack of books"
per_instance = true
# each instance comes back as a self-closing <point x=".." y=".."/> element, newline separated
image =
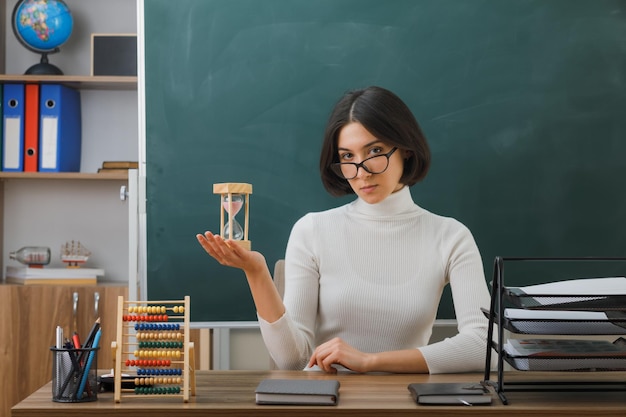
<point x="110" y="167"/>
<point x="53" y="276"/>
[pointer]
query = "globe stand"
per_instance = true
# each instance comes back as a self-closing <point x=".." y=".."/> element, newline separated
<point x="44" y="67"/>
<point x="48" y="25"/>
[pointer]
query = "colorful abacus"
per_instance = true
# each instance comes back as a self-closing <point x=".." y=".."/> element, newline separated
<point x="153" y="340"/>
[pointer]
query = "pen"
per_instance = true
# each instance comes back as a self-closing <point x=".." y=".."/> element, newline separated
<point x="92" y="354"/>
<point x="59" y="337"/>
<point x="76" y="340"/>
<point x="59" y="345"/>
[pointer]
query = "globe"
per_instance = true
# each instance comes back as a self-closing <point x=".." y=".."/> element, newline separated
<point x="42" y="26"/>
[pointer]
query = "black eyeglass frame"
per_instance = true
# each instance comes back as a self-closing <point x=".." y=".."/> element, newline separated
<point x="336" y="167"/>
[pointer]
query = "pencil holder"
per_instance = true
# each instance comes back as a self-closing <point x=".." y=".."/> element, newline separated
<point x="74" y="375"/>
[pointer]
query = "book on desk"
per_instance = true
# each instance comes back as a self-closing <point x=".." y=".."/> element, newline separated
<point x="298" y="391"/>
<point x="449" y="393"/>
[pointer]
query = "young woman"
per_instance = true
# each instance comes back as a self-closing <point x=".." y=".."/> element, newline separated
<point x="363" y="281"/>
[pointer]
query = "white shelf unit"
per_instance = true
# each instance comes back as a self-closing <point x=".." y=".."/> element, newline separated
<point x="50" y="209"/>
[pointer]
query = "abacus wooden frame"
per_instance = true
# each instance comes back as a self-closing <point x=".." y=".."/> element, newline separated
<point x="122" y="341"/>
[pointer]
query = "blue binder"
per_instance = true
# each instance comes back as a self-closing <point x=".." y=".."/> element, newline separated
<point x="1" y="121"/>
<point x="59" y="129"/>
<point x="13" y="128"/>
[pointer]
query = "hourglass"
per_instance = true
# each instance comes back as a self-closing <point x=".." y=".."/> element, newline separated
<point x="234" y="197"/>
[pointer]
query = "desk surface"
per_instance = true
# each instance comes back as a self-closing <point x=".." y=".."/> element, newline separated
<point x="232" y="393"/>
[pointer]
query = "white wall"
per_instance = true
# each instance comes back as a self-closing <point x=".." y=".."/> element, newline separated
<point x="247" y="350"/>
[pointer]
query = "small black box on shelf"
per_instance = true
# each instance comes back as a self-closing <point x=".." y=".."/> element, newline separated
<point x="114" y="54"/>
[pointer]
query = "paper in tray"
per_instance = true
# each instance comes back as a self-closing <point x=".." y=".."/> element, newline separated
<point x="577" y="365"/>
<point x="564" y="355"/>
<point x="597" y="294"/>
<point x="565" y="322"/>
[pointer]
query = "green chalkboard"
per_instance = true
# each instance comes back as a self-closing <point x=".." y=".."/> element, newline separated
<point x="523" y="103"/>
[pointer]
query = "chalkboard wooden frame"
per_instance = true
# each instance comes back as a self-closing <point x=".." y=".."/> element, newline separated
<point x="522" y="102"/>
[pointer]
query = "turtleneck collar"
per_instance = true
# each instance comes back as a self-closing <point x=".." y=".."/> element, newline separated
<point x="399" y="202"/>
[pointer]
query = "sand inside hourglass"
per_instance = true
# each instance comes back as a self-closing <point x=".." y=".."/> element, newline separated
<point x="232" y="207"/>
<point x="236" y="205"/>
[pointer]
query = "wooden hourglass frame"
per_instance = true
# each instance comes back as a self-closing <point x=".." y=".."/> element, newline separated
<point x="226" y="191"/>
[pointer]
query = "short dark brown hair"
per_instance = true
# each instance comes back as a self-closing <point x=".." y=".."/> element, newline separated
<point x="386" y="117"/>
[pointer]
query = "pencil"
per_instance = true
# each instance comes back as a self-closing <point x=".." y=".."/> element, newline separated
<point x="85" y="373"/>
<point x="92" y="333"/>
<point x="90" y="337"/>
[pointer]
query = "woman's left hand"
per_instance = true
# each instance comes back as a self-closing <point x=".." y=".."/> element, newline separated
<point x="228" y="253"/>
<point x="336" y="351"/>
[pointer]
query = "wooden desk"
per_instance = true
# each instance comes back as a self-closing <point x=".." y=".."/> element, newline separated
<point x="232" y="393"/>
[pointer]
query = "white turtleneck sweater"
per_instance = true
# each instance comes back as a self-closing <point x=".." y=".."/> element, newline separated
<point x="373" y="275"/>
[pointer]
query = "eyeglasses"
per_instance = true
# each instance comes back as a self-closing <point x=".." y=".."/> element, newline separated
<point x="374" y="165"/>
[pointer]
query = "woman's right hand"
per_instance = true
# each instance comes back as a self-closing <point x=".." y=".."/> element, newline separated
<point x="229" y="253"/>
